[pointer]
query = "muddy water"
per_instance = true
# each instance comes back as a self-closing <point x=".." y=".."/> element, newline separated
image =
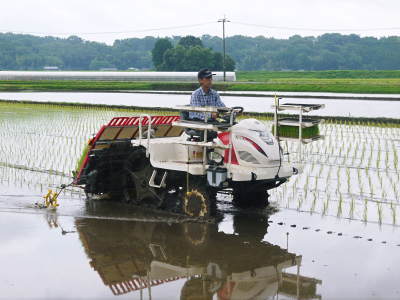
<point x="104" y="249"/>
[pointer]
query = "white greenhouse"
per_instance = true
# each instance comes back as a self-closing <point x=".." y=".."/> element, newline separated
<point x="109" y="76"/>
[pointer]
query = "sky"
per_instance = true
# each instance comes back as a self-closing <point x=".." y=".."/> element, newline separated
<point x="108" y="20"/>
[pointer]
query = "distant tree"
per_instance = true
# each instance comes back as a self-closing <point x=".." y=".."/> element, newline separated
<point x="31" y="61"/>
<point x="100" y="63"/>
<point x="217" y="61"/>
<point x="328" y="51"/>
<point x="190" y="41"/>
<point x="160" y="47"/>
<point x="173" y="59"/>
<point x="196" y="58"/>
<point x="7" y="61"/>
<point x="190" y="55"/>
<point x="229" y="63"/>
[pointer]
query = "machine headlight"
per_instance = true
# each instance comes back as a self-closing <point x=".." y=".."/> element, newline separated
<point x="266" y="137"/>
<point x="215" y="158"/>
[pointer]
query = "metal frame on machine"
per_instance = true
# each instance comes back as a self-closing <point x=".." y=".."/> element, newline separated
<point x="205" y="126"/>
<point x="301" y="108"/>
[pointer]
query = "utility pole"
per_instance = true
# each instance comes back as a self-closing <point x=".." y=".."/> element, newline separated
<point x="223" y="21"/>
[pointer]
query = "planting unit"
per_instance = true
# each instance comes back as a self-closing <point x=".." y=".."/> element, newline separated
<point x="297" y="127"/>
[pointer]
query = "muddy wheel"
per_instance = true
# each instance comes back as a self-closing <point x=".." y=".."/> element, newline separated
<point x="212" y="192"/>
<point x="92" y="197"/>
<point x="138" y="171"/>
<point x="248" y="194"/>
<point x="128" y="193"/>
<point x="196" y="234"/>
<point x="196" y="200"/>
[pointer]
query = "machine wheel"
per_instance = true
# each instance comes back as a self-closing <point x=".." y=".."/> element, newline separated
<point x="196" y="201"/>
<point x="212" y="193"/>
<point x="138" y="171"/>
<point x="249" y="194"/>
<point x="196" y="234"/>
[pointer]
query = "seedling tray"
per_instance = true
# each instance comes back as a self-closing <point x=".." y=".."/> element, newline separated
<point x="294" y="121"/>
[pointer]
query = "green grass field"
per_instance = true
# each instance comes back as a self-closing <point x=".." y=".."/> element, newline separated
<point x="381" y="82"/>
<point x="332" y="74"/>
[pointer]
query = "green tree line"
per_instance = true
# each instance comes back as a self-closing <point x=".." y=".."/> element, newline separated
<point x="326" y="52"/>
<point x="188" y="55"/>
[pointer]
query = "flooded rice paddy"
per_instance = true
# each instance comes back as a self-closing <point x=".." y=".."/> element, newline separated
<point x="331" y="232"/>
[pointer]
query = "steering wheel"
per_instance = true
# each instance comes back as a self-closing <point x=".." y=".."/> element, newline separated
<point x="238" y="109"/>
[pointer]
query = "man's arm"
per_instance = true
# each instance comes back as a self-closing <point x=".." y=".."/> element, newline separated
<point x="218" y="101"/>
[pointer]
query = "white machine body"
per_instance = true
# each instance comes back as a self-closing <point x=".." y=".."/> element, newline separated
<point x="248" y="152"/>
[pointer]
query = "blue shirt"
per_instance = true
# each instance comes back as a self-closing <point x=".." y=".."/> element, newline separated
<point x="201" y="98"/>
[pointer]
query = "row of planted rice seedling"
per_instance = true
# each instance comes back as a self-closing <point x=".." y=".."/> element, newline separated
<point x="353" y="173"/>
<point x="47" y="138"/>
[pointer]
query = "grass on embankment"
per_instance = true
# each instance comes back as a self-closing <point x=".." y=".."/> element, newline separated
<point x="257" y="76"/>
<point x="383" y="82"/>
<point x="378" y="86"/>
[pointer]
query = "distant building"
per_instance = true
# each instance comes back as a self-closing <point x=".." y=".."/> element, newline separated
<point x="50" y="68"/>
<point x="111" y="76"/>
<point x="133" y="69"/>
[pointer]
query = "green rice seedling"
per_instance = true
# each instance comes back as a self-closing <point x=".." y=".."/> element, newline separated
<point x="338" y="177"/>
<point x="300" y="202"/>
<point x="378" y="158"/>
<point x="312" y="167"/>
<point x="352" y="207"/>
<point x="348" y="180"/>
<point x="365" y="213"/>
<point x="340" y="206"/>
<point x="82" y="158"/>
<point x="314" y="202"/>
<point x="321" y="170"/>
<point x="380" y="179"/>
<point x="305" y="187"/>
<point x="315" y="183"/>
<point x="393" y="210"/>
<point x="361" y="189"/>
<point x="380" y="213"/>
<point x="369" y="163"/>
<point x="396" y="192"/>
<point x="383" y="195"/>
<point x="293" y="131"/>
<point x="326" y="205"/>
<point x="387" y="156"/>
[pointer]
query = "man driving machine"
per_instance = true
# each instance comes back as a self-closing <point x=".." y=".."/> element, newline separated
<point x="205" y="96"/>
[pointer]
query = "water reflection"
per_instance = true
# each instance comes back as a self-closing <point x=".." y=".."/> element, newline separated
<point x="136" y="256"/>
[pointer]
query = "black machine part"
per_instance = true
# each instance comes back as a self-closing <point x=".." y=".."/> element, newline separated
<point x="216" y="176"/>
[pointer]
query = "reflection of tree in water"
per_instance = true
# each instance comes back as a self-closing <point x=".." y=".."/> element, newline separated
<point x="133" y="256"/>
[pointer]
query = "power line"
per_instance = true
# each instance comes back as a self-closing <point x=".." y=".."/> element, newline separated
<point x="109" y="32"/>
<point x="315" y="29"/>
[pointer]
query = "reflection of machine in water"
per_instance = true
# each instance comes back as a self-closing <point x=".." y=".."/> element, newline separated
<point x="135" y="256"/>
